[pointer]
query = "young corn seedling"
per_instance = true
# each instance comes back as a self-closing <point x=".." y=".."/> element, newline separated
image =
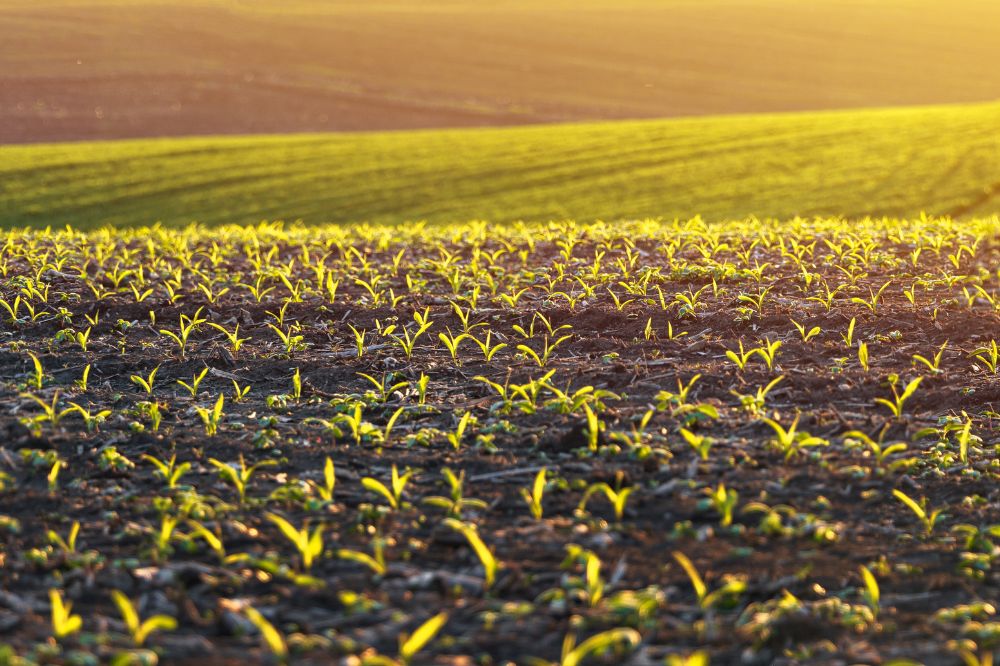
<point x="451" y="343"/>
<point x="871" y="591"/>
<point x="64" y="622"/>
<point x="147" y="382"/>
<point x="730" y="589"/>
<point x="53" y="476"/>
<point x="928" y="520"/>
<point x="807" y="335"/>
<point x="50" y="411"/>
<point x="272" y="637"/>
<point x="790" y="441"/>
<point x="534" y="496"/>
<point x="291" y="339"/>
<point x="325" y="490"/>
<point x="139" y="630"/>
<point x="408" y="342"/>
<point x="455" y="438"/>
<point x="485" y="555"/>
<point x="385" y="389"/>
<point x="617" y="498"/>
<point x="67" y="545"/>
<point x="615" y="642"/>
<point x="756" y="301"/>
<point x="848" y="337"/>
<point x="309" y="544"/>
<point x="239" y="392"/>
<point x="878" y="449"/>
<point x="410" y="645"/>
<point x="187" y="326"/>
<point x="240" y="476"/>
<point x="965" y="437"/>
<point x="169" y="471"/>
<point x="82" y="338"/>
<point x="933" y="364"/>
<point x="547" y="348"/>
<point x="755" y="403"/>
<point x="375" y="562"/>
<point x="484" y="345"/>
<point x="38" y="373"/>
<point x="233" y="337"/>
<point x="668" y="400"/>
<point x="768" y="351"/>
<point x="863" y="355"/>
<point x="456" y="502"/>
<point x="701" y="444"/>
<point x="723" y="500"/>
<point x="393" y="496"/>
<point x="91" y="420"/>
<point x="988" y="356"/>
<point x="212" y="418"/>
<point x="896" y="404"/>
<point x="742" y="358"/>
<point x="874" y="297"/>
<point x="359" y="340"/>
<point x="192" y="388"/>
<point x="81" y="383"/>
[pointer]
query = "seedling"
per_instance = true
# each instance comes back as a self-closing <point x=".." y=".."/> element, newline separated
<point x="790" y="441"/>
<point x="895" y="405"/>
<point x="325" y="490"/>
<point x="723" y="500"/>
<point x="147" y="382"/>
<point x="139" y="629"/>
<point x="375" y="562"/>
<point x="989" y="356"/>
<point x="617" y="498"/>
<point x="187" y="326"/>
<point x="706" y="600"/>
<point x="702" y="444"/>
<point x="309" y="544"/>
<point x="547" y="348"/>
<point x="871" y="592"/>
<point x="934" y="364"/>
<point x="64" y="622"/>
<point x="272" y="637"/>
<point x="192" y="388"/>
<point x="929" y="520"/>
<point x="485" y="555"/>
<point x="169" y="471"/>
<point x="754" y="404"/>
<point x="455" y="438"/>
<point x="807" y="335"/>
<point x="456" y="502"/>
<point x="211" y="418"/>
<point x="872" y="302"/>
<point x="534" y="496"/>
<point x="394" y="496"/>
<point x="239" y="477"/>
<point x="616" y="641"/>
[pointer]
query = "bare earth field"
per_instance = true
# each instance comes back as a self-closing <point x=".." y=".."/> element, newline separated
<point x="104" y="69"/>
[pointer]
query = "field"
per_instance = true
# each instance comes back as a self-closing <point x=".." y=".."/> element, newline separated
<point x="100" y="69"/>
<point x="773" y="443"/>
<point x="899" y="162"/>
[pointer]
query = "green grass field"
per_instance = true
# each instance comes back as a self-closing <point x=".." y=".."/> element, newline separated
<point x="942" y="160"/>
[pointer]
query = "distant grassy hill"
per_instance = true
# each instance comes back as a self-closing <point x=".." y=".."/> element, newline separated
<point x="943" y="160"/>
<point x="106" y="69"/>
